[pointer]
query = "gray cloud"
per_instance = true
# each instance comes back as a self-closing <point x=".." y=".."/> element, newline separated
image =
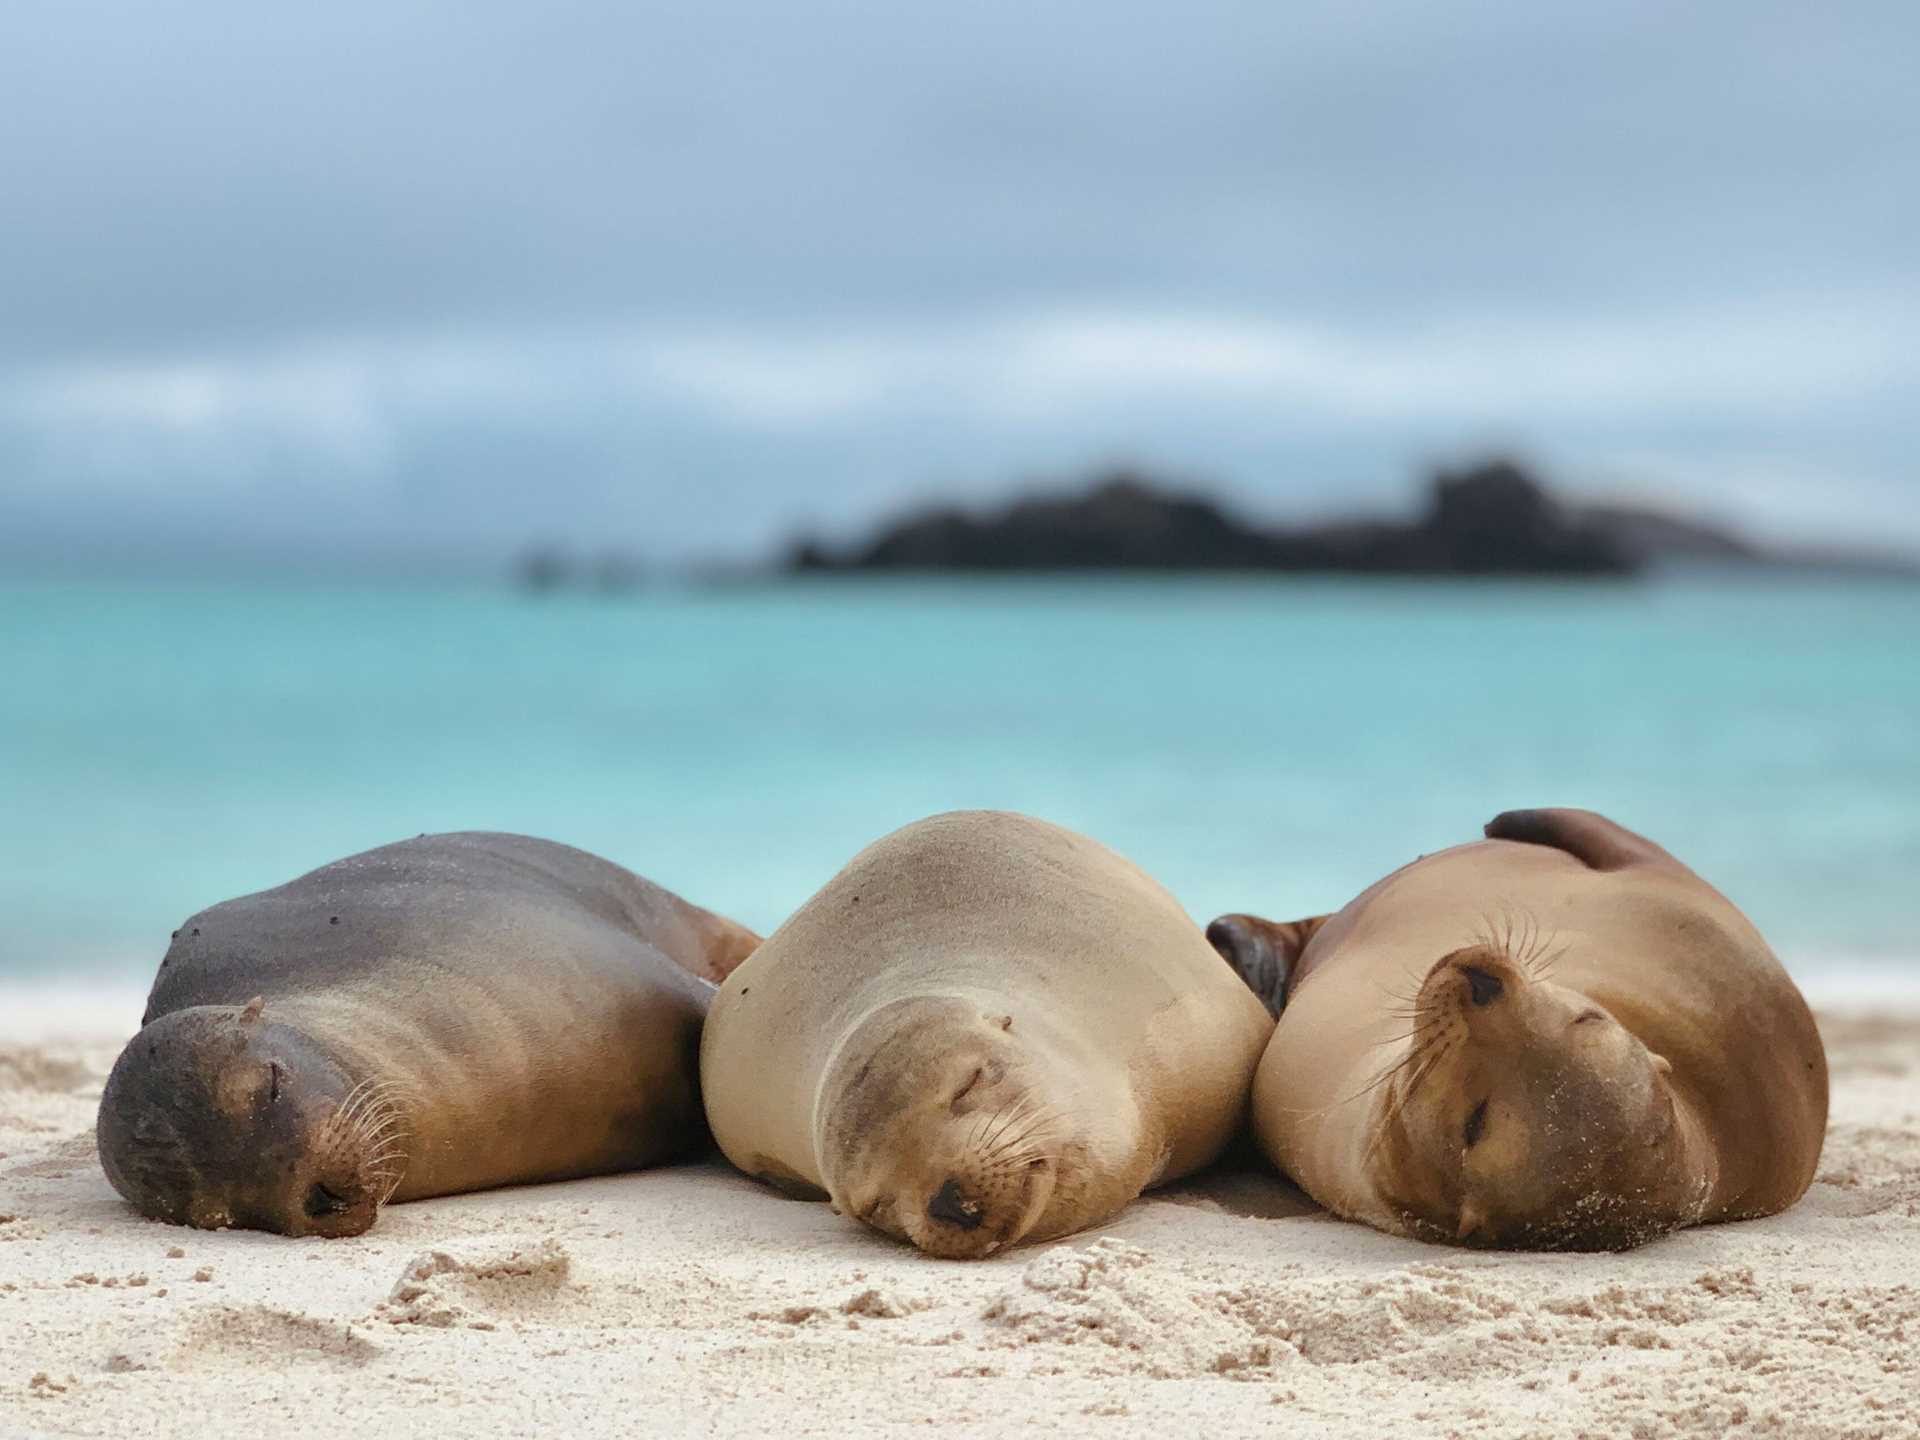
<point x="459" y="272"/>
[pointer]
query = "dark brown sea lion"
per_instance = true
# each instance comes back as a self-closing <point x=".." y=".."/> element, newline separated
<point x="449" y="1013"/>
<point x="1557" y="1038"/>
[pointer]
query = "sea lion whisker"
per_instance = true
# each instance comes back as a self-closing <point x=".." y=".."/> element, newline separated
<point x="372" y="1131"/>
<point x="1411" y="1013"/>
<point x="1534" y="942"/>
<point x="373" y="1113"/>
<point x="1030" y="1127"/>
<point x="1546" y="966"/>
<point x="1412" y="1034"/>
<point x="384" y="1163"/>
<point x="1009" y="1109"/>
<point x="387" y="1102"/>
<point x="1013" y="1158"/>
<point x="393" y="1140"/>
<point x="1407" y="1092"/>
<point x="348" y="1117"/>
<point x="1383" y="1077"/>
<point x="358" y="1090"/>
<point x="1514" y="950"/>
<point x="389" y="1181"/>
<point x="1005" y="1117"/>
<point x="374" y="1143"/>
<point x="1012" y="1133"/>
<point x="1029" y="1111"/>
<point x="360" y="1096"/>
<point x="1488" y="933"/>
<point x="975" y="1132"/>
<point x="1399" y="997"/>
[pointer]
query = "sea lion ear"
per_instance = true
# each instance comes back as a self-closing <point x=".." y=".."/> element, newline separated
<point x="255" y="1008"/>
<point x="1595" y="841"/>
<point x="1660" y="1062"/>
<point x="1263" y="952"/>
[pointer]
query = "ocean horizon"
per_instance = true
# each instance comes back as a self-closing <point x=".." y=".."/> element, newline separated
<point x="1265" y="744"/>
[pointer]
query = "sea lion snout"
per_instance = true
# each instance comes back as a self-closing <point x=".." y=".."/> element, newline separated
<point x="930" y="1130"/>
<point x="1476" y="980"/>
<point x="951" y="1206"/>
<point x="214" y="1116"/>
<point x="1526" y="1117"/>
<point x="981" y="1208"/>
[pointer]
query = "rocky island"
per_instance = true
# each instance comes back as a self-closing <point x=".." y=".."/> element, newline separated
<point x="1491" y="519"/>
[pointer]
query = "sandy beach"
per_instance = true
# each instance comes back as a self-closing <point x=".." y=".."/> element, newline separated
<point x="692" y="1300"/>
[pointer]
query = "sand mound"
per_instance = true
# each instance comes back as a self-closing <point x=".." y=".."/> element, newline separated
<point x="480" y="1287"/>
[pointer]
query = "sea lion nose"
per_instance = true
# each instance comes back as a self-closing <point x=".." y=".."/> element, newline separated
<point x="1482" y="988"/>
<point x="951" y="1205"/>
<point x="323" y="1200"/>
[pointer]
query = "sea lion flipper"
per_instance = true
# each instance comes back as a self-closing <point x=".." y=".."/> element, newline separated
<point x="1591" y="838"/>
<point x="1263" y="952"/>
<point x="725" y="945"/>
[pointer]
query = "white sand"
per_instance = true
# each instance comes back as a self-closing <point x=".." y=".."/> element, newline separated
<point x="693" y="1300"/>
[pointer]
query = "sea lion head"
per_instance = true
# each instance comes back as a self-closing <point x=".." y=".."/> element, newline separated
<point x="929" y="1126"/>
<point x="1524" y="1116"/>
<point x="219" y="1116"/>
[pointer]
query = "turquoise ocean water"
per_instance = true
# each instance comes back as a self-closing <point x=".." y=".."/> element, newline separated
<point x="1261" y="745"/>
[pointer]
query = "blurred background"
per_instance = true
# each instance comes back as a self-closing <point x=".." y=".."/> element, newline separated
<point x="1270" y="438"/>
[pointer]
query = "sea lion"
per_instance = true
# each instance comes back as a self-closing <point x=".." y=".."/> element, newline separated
<point x="1556" y="1038"/>
<point x="449" y="1013"/>
<point x="985" y="1029"/>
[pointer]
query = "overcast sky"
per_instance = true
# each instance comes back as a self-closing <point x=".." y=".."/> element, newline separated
<point x="684" y="278"/>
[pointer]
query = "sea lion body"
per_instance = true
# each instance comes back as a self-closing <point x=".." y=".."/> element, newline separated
<point x="985" y="1029"/>
<point x="444" y="1014"/>
<point x="1558" y="1037"/>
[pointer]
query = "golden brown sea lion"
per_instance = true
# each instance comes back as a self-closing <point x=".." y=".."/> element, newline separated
<point x="449" y="1013"/>
<point x="1557" y="1038"/>
<point x="986" y="1029"/>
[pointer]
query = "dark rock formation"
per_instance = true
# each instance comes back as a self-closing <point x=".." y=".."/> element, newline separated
<point x="1121" y="524"/>
<point x="1494" y="519"/>
<point x="1491" y="520"/>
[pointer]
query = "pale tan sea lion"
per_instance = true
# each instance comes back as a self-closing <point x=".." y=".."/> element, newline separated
<point x="449" y="1013"/>
<point x="985" y="1029"/>
<point x="1557" y="1038"/>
